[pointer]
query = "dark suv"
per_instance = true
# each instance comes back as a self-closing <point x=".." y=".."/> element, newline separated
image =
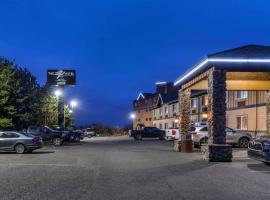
<point x="47" y="134"/>
<point x="148" y="132"/>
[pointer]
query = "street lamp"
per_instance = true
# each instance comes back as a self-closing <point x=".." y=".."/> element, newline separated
<point x="58" y="93"/>
<point x="132" y="116"/>
<point x="73" y="104"/>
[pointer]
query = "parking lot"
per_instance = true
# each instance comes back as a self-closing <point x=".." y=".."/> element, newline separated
<point x="121" y="168"/>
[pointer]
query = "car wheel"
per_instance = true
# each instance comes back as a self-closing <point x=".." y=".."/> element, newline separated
<point x="243" y="143"/>
<point x="77" y="139"/>
<point x="139" y="137"/>
<point x="57" y="141"/>
<point x="20" y="148"/>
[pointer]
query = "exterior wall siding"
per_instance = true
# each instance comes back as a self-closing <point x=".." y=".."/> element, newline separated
<point x="256" y="119"/>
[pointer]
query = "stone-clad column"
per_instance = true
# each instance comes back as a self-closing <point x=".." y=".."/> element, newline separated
<point x="184" y="99"/>
<point x="267" y="99"/>
<point x="218" y="149"/>
<point x="186" y="141"/>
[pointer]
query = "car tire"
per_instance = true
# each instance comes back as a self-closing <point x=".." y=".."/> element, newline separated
<point x="20" y="148"/>
<point x="77" y="139"/>
<point x="57" y="141"/>
<point x="243" y="143"/>
<point x="139" y="137"/>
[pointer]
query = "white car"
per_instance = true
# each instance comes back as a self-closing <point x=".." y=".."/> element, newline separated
<point x="172" y="134"/>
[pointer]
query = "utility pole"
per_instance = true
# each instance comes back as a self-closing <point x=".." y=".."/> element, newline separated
<point x="61" y="109"/>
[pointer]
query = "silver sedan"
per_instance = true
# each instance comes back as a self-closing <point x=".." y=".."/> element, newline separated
<point x="19" y="142"/>
<point x="233" y="137"/>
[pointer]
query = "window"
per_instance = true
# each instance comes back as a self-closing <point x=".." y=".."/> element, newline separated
<point x="173" y="108"/>
<point x="166" y="125"/>
<point x="241" y="122"/>
<point x="146" y="119"/>
<point x="9" y="135"/>
<point x="204" y="100"/>
<point x="154" y="112"/>
<point x="160" y="126"/>
<point x="166" y="110"/>
<point x="241" y="94"/>
<point x="160" y="111"/>
<point x="193" y="103"/>
<point x="150" y="119"/>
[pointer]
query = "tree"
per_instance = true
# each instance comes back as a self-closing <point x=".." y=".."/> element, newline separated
<point x="7" y="110"/>
<point x="68" y="117"/>
<point x="24" y="98"/>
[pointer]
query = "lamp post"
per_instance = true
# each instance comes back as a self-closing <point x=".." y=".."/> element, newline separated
<point x="59" y="93"/>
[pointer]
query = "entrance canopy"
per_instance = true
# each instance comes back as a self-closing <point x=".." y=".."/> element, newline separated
<point x="250" y="58"/>
<point x="244" y="68"/>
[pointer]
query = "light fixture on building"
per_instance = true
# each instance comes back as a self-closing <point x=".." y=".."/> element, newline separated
<point x="204" y="116"/>
<point x="132" y="116"/>
<point x="176" y="121"/>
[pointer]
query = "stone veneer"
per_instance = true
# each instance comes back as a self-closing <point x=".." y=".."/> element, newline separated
<point x="184" y="99"/>
<point x="267" y="99"/>
<point x="218" y="149"/>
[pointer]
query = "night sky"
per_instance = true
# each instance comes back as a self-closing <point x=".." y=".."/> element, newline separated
<point x="121" y="47"/>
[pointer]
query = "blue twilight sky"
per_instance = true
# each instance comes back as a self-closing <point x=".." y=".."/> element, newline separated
<point x="122" y="47"/>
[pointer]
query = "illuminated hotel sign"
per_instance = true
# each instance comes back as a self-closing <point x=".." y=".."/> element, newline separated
<point x="61" y="77"/>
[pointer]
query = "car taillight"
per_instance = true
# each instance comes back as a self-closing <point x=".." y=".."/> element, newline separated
<point x="35" y="139"/>
<point x="173" y="132"/>
<point x="193" y="133"/>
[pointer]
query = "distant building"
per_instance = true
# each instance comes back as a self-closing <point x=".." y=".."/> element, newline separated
<point x="146" y="102"/>
<point x="166" y="111"/>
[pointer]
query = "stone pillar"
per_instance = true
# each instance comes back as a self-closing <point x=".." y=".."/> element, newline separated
<point x="186" y="141"/>
<point x="267" y="99"/>
<point x="184" y="99"/>
<point x="219" y="151"/>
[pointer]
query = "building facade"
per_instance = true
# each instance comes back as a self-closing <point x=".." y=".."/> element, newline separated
<point x="166" y="112"/>
<point x="146" y="102"/>
<point x="246" y="110"/>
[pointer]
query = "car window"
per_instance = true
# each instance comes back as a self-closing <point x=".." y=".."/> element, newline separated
<point x="204" y="129"/>
<point x="10" y="135"/>
<point x="228" y="129"/>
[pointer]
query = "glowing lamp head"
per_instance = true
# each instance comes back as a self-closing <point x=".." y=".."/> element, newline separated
<point x="73" y="103"/>
<point x="58" y="93"/>
<point x="132" y="116"/>
<point x="205" y="116"/>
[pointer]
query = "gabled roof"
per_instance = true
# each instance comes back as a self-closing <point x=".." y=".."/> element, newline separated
<point x="145" y="95"/>
<point x="167" y="98"/>
<point x="247" y="58"/>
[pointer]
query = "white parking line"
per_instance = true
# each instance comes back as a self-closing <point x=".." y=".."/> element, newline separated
<point x="30" y="164"/>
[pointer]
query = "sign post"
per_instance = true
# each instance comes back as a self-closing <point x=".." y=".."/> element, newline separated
<point x="61" y="79"/>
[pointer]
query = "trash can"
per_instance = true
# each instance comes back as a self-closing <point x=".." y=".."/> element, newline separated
<point x="186" y="143"/>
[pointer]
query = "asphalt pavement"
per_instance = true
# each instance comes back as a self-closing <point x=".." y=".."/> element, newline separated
<point x="119" y="168"/>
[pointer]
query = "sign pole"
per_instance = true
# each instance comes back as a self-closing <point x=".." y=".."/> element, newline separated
<point x="61" y="109"/>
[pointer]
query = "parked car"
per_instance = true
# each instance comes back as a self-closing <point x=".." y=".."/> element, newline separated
<point x="172" y="134"/>
<point x="89" y="133"/>
<point x="259" y="150"/>
<point x="19" y="142"/>
<point x="47" y="134"/>
<point x="148" y="132"/>
<point x="71" y="135"/>
<point x="237" y="138"/>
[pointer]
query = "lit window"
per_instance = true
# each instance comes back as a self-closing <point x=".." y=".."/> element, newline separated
<point x="242" y="122"/>
<point x="193" y="103"/>
<point x="241" y="94"/>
